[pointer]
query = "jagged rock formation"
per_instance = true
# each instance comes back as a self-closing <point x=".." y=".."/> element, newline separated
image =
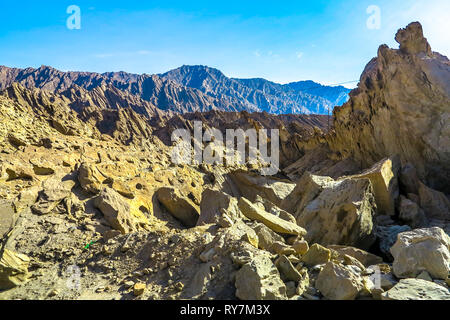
<point x="401" y="106"/>
<point x="187" y="89"/>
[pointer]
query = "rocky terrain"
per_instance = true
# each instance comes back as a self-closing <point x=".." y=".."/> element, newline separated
<point x="92" y="207"/>
<point x="186" y="89"/>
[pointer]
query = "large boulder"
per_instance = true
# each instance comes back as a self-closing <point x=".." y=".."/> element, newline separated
<point x="384" y="178"/>
<point x="266" y="237"/>
<point x="7" y="217"/>
<point x="214" y="205"/>
<point x="13" y="269"/>
<point x="416" y="289"/>
<point x="179" y="206"/>
<point x="387" y="236"/>
<point x="260" y="280"/>
<point x="338" y="282"/>
<point x="340" y="212"/>
<point x="55" y="189"/>
<point x="116" y="211"/>
<point x="252" y="185"/>
<point x="273" y="222"/>
<point x="422" y="250"/>
<point x="90" y="178"/>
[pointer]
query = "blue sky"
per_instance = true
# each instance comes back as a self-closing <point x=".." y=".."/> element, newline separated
<point x="282" y="41"/>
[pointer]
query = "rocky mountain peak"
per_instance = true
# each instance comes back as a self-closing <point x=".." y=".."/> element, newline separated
<point x="412" y="41"/>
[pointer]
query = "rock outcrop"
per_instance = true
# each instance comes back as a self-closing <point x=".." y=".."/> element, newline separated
<point x="422" y="250"/>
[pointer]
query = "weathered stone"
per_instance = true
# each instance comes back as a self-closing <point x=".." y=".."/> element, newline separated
<point x="384" y="178"/>
<point x="116" y="211"/>
<point x="366" y="258"/>
<point x="316" y="255"/>
<point x="90" y="178"/>
<point x="422" y="250"/>
<point x="434" y="203"/>
<point x="287" y="270"/>
<point x="416" y="289"/>
<point x="266" y="237"/>
<point x="7" y="217"/>
<point x="425" y="276"/>
<point x="337" y="282"/>
<point x="273" y="222"/>
<point x="260" y="280"/>
<point x="251" y="185"/>
<point x="304" y="282"/>
<point x="13" y="269"/>
<point x="180" y="207"/>
<point x="340" y="214"/>
<point x="301" y="247"/>
<point x="281" y="248"/>
<point x="55" y="189"/>
<point x="139" y="289"/>
<point x="214" y="204"/>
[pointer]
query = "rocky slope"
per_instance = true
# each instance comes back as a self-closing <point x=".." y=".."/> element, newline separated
<point x="92" y="207"/>
<point x="187" y="89"/>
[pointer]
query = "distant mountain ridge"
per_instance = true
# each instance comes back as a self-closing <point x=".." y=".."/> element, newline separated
<point x="186" y="89"/>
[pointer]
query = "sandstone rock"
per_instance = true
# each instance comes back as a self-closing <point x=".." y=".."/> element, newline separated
<point x="266" y="237"/>
<point x="425" y="276"/>
<point x="13" y="269"/>
<point x="416" y="289"/>
<point x="116" y="211"/>
<point x="273" y="222"/>
<point x="422" y="250"/>
<point x="366" y="258"/>
<point x="411" y="213"/>
<point x="55" y="189"/>
<point x="252" y="185"/>
<point x="434" y="203"/>
<point x="340" y="214"/>
<point x="384" y="178"/>
<point x="337" y="282"/>
<point x="316" y="255"/>
<point x="259" y="280"/>
<point x="304" y="282"/>
<point x="281" y="248"/>
<point x="180" y="207"/>
<point x="139" y="289"/>
<point x="214" y="204"/>
<point x="7" y="218"/>
<point x="287" y="270"/>
<point x="90" y="178"/>
<point x="301" y="247"/>
<point x="385" y="114"/>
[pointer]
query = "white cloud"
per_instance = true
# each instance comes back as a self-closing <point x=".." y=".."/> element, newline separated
<point x="299" y="55"/>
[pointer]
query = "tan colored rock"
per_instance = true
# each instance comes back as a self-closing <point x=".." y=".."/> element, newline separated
<point x="180" y="207"/>
<point x="422" y="250"/>
<point x="341" y="212"/>
<point x="316" y="255"/>
<point x="384" y="178"/>
<point x="434" y="203"/>
<point x="287" y="270"/>
<point x="338" y="282"/>
<point x="280" y="248"/>
<point x="266" y="237"/>
<point x="116" y="211"/>
<point x="366" y="258"/>
<point x="416" y="289"/>
<point x="90" y="178"/>
<point x="301" y="247"/>
<point x="8" y="218"/>
<point x="385" y="114"/>
<point x="214" y="204"/>
<point x="259" y="280"/>
<point x="13" y="269"/>
<point x="55" y="190"/>
<point x="139" y="289"/>
<point x="273" y="222"/>
<point x="252" y="185"/>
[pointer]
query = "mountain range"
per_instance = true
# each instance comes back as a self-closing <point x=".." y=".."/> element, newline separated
<point x="182" y="90"/>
